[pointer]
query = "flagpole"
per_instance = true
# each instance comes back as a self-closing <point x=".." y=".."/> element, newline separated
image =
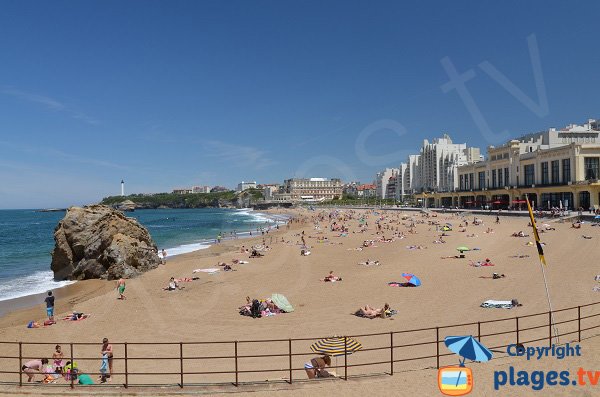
<point x="542" y="265"/>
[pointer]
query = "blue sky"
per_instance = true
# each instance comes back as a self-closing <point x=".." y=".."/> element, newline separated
<point x="177" y="93"/>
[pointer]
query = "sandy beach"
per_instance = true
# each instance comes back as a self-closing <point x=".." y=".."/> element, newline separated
<point x="207" y="309"/>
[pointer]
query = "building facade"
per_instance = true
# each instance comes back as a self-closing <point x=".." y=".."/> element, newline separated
<point x="312" y="189"/>
<point x="382" y="179"/>
<point x="553" y="168"/>
<point x="245" y="186"/>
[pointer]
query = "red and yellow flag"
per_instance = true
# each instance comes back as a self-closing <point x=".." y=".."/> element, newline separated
<point x="536" y="234"/>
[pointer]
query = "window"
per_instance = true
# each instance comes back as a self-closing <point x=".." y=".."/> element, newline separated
<point x="493" y="179"/>
<point x="592" y="167"/>
<point x="506" y="178"/>
<point x="481" y="176"/>
<point x="544" y="173"/>
<point x="529" y="174"/>
<point x="471" y="180"/>
<point x="500" y="180"/>
<point x="566" y="166"/>
<point x="462" y="182"/>
<point x="554" y="171"/>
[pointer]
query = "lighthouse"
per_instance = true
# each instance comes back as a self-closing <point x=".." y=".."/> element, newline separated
<point x="122" y="187"/>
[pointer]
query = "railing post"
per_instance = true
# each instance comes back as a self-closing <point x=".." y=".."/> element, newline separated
<point x="126" y="371"/>
<point x="20" y="363"/>
<point x="391" y="353"/>
<point x="550" y="328"/>
<point x="181" y="365"/>
<point x="579" y="323"/>
<point x="345" y="358"/>
<point x="437" y="347"/>
<point x="72" y="365"/>
<point x="290" y="357"/>
<point x="236" y="364"/>
<point x="479" y="331"/>
<point x="517" y="321"/>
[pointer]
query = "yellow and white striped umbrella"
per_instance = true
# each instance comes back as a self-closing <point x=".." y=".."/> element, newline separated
<point x="335" y="346"/>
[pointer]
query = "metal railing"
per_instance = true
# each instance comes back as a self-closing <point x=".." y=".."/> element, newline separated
<point x="184" y="364"/>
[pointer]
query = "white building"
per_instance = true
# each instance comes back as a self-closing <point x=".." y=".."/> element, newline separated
<point x="201" y="189"/>
<point x="439" y="162"/>
<point x="382" y="179"/>
<point x="270" y="190"/>
<point x="246" y="185"/>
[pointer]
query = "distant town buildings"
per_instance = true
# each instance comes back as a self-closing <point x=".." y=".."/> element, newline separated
<point x="246" y="185"/>
<point x="360" y="190"/>
<point x="269" y="190"/>
<point x="194" y="189"/>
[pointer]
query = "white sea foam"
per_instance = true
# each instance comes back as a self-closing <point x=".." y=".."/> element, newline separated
<point x="185" y="248"/>
<point x="32" y="284"/>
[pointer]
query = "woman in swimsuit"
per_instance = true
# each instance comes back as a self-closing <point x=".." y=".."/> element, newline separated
<point x="316" y="367"/>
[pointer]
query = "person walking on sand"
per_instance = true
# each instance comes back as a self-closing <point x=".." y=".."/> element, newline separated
<point x="107" y="354"/>
<point x="121" y="288"/>
<point x="164" y="256"/>
<point x="50" y="306"/>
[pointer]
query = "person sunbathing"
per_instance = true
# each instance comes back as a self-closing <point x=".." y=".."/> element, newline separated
<point x="576" y="225"/>
<point x="497" y="276"/>
<point x="256" y="254"/>
<point x="76" y="316"/>
<point x="331" y="277"/>
<point x="370" y="312"/>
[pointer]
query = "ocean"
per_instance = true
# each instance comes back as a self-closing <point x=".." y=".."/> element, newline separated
<point x="27" y="240"/>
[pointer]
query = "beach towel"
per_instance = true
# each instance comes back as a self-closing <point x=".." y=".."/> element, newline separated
<point x="85" y="379"/>
<point x="209" y="271"/>
<point x="497" y="304"/>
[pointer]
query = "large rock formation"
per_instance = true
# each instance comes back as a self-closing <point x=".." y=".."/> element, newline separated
<point x="100" y="242"/>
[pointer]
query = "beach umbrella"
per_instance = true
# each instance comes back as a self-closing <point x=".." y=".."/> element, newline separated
<point x="412" y="279"/>
<point x="335" y="346"/>
<point x="468" y="348"/>
<point x="462" y="249"/>
<point x="281" y="302"/>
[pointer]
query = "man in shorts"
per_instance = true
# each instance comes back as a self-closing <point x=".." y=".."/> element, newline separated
<point x="50" y="306"/>
<point x="121" y="288"/>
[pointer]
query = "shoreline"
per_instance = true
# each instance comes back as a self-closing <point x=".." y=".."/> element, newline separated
<point x="71" y="293"/>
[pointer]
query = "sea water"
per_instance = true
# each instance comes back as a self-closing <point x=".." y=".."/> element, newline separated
<point x="26" y="240"/>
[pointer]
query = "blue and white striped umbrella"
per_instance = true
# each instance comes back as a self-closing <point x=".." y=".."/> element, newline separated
<point x="468" y="347"/>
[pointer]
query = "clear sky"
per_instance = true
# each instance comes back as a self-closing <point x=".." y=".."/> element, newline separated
<point x="168" y="94"/>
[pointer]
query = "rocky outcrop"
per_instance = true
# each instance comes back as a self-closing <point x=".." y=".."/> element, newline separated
<point x="100" y="242"/>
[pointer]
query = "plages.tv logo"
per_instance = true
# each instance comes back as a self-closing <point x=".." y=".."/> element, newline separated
<point x="457" y="380"/>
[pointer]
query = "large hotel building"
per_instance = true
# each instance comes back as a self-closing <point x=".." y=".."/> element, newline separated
<point x="554" y="168"/>
<point x="311" y="189"/>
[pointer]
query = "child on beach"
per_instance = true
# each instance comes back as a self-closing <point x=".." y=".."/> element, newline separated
<point x="58" y="356"/>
